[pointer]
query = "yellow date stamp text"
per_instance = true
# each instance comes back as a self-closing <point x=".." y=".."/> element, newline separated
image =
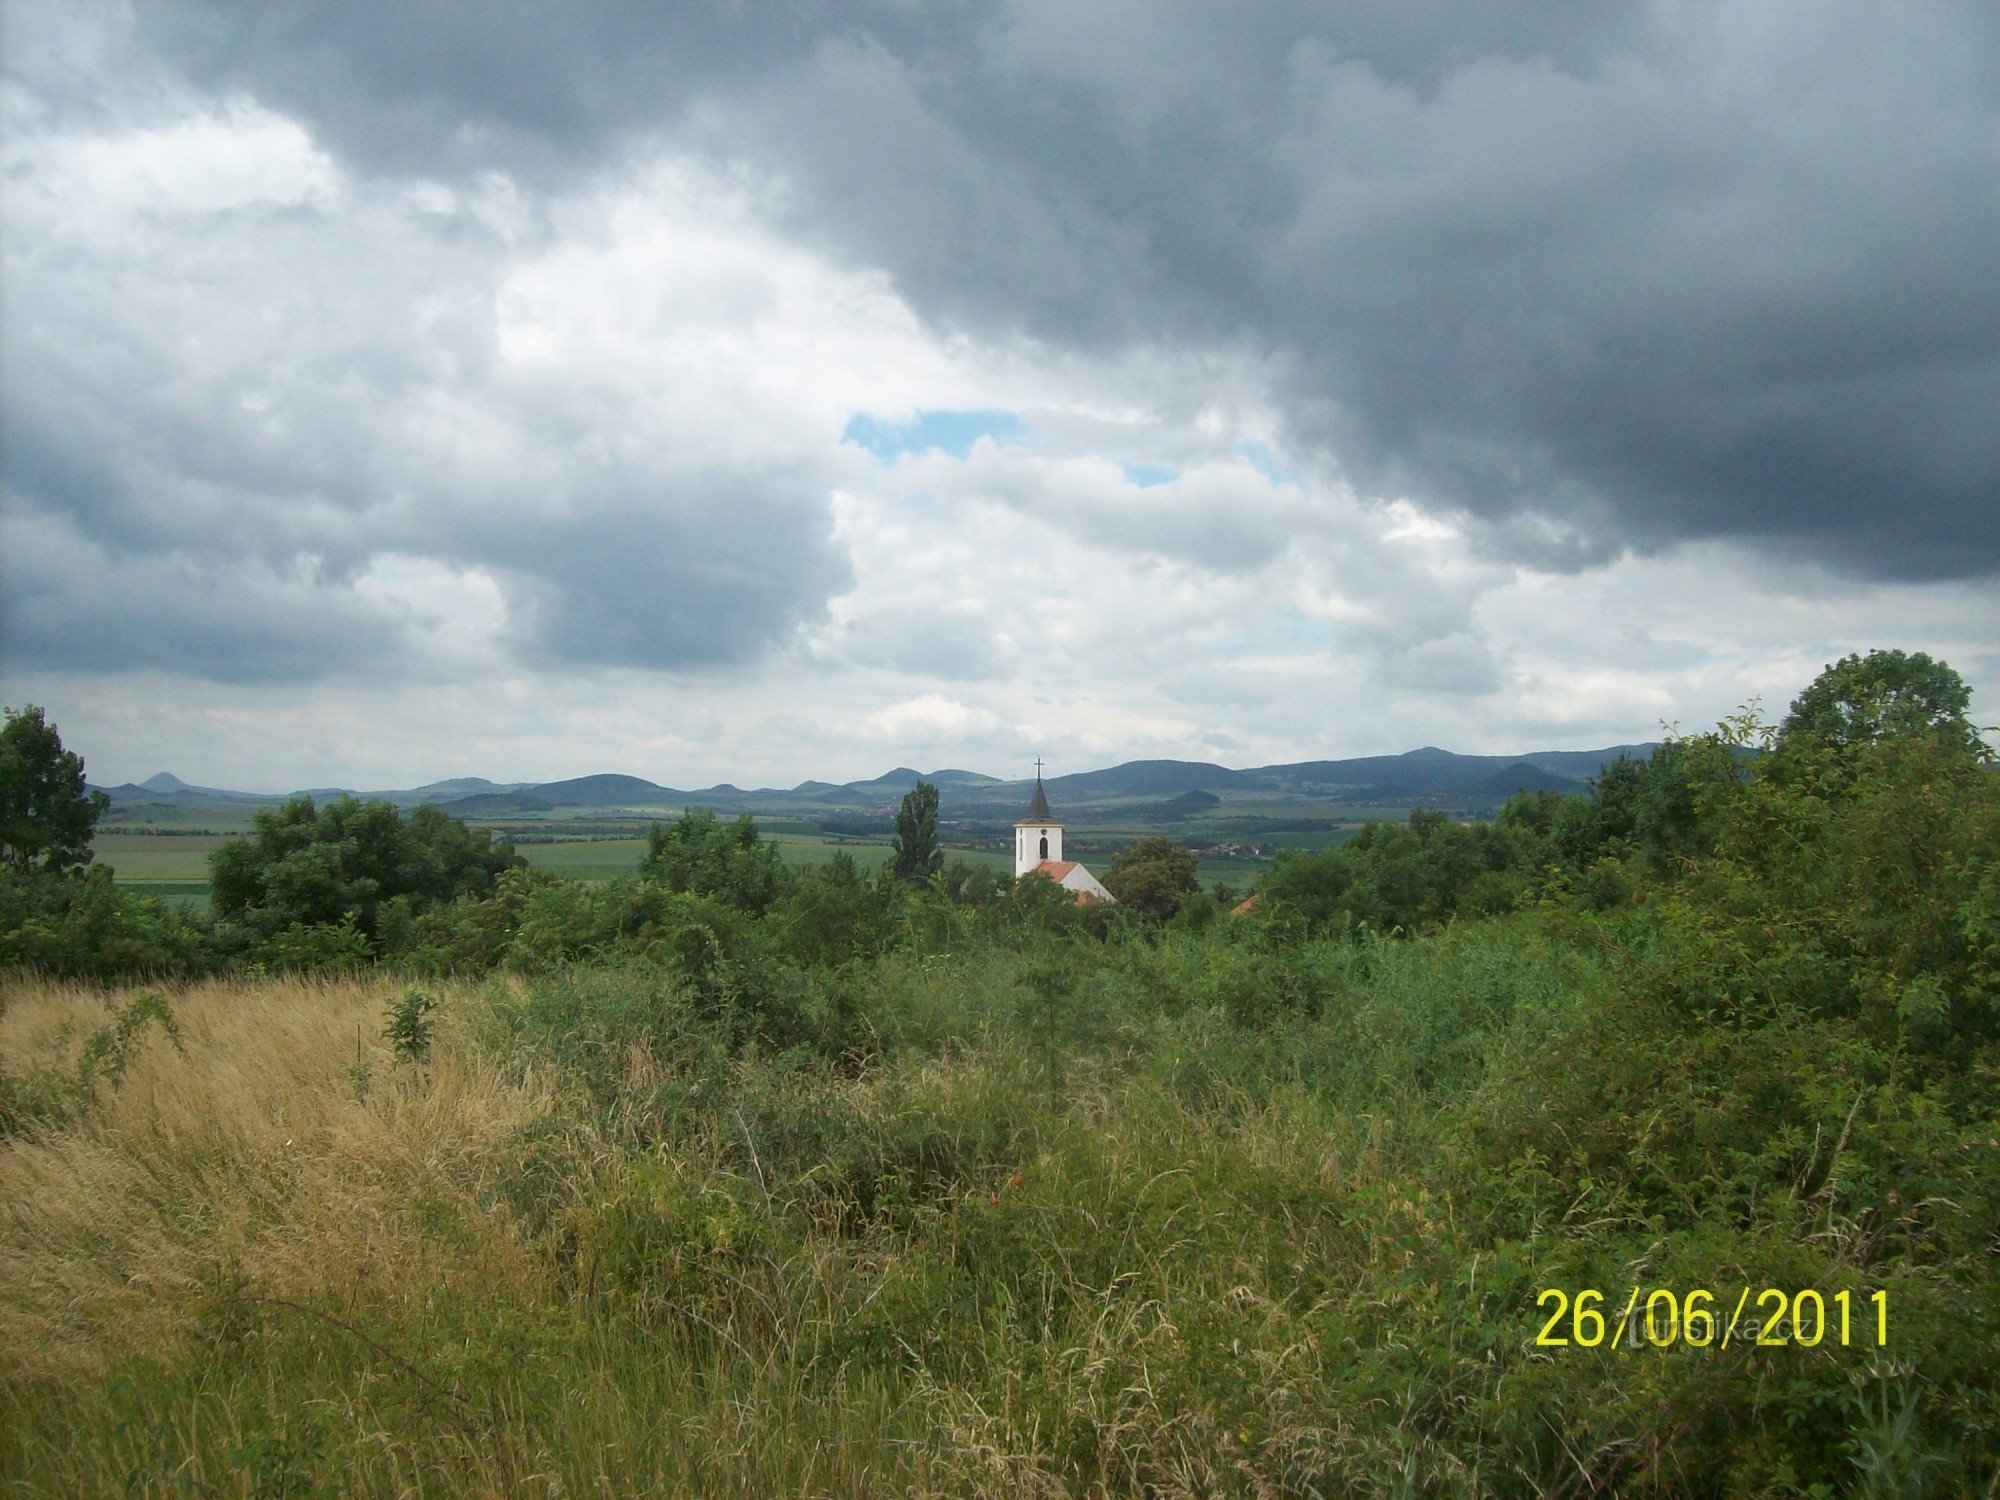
<point x="1760" y="1318"/>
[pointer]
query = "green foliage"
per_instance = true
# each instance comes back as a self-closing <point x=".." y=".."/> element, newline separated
<point x="59" y="914"/>
<point x="313" y="948"/>
<point x="1871" y="890"/>
<point x="476" y="934"/>
<point x="352" y="865"/>
<point x="1408" y="878"/>
<point x="697" y="854"/>
<point x="46" y="812"/>
<point x="972" y="885"/>
<point x="82" y="926"/>
<point x="286" y="1459"/>
<point x="1153" y="875"/>
<point x="1111" y="1194"/>
<point x="1656" y="811"/>
<point x="1654" y="818"/>
<point x="1037" y="904"/>
<point x="409" y="1028"/>
<point x="918" y="855"/>
<point x="1886" y="1448"/>
<point x="1860" y="700"/>
<point x="833" y="914"/>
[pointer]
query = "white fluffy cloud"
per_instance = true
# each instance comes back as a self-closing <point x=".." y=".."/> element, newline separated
<point x="931" y="722"/>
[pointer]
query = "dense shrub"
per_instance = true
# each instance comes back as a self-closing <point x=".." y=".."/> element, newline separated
<point x="82" y="926"/>
<point x="1406" y="878"/>
<point x="696" y="853"/>
<point x="359" y="864"/>
<point x="1153" y="875"/>
<point x="832" y="914"/>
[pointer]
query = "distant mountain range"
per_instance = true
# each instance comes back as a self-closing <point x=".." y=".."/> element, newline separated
<point x="1426" y="776"/>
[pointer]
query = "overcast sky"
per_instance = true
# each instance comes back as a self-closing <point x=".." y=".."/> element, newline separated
<point x="397" y="390"/>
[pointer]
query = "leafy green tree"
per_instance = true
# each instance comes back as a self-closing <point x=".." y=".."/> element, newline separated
<point x="83" y="926"/>
<point x="833" y="913"/>
<point x="1153" y="875"/>
<point x="973" y="885"/>
<point x="1885" y="694"/>
<point x="1875" y="894"/>
<point x="1308" y="887"/>
<point x="918" y="853"/>
<point x="696" y="853"/>
<point x="350" y="862"/>
<point x="1659" y="811"/>
<point x="46" y="813"/>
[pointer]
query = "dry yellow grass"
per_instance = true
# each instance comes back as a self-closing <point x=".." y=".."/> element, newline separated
<point x="246" y="1162"/>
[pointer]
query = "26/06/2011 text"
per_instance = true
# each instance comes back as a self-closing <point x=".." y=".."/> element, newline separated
<point x="1661" y="1318"/>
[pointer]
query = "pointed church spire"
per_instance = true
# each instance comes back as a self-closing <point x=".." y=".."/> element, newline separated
<point x="1038" y="806"/>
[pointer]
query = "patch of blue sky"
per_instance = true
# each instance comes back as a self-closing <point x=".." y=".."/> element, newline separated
<point x="953" y="431"/>
<point x="1265" y="462"/>
<point x="1148" y="475"/>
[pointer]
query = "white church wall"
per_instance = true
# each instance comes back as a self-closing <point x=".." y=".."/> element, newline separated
<point x="1029" y="845"/>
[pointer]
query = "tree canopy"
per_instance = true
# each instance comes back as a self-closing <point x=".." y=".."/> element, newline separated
<point x="918" y="854"/>
<point x="1153" y="875"/>
<point x="696" y="853"/>
<point x="348" y="863"/>
<point x="47" y="814"/>
<point x="1882" y="695"/>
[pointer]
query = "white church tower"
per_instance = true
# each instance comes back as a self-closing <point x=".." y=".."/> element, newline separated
<point x="1038" y="836"/>
<point x="1038" y="851"/>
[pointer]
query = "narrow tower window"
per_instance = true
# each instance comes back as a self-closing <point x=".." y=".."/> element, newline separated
<point x="1045" y="846"/>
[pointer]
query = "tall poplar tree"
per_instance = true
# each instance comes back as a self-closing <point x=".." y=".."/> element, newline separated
<point x="919" y="856"/>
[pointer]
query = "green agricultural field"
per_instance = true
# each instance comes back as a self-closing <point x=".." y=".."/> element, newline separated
<point x="201" y="815"/>
<point x="587" y="859"/>
<point x="810" y="849"/>
<point x="616" y="859"/>
<point x="152" y="862"/>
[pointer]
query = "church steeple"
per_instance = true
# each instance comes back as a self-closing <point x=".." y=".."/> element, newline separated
<point x="1038" y="805"/>
<point x="1038" y="836"/>
<point x="1038" y="849"/>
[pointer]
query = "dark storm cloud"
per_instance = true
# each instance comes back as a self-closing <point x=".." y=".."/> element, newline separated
<point x="130" y="554"/>
<point x="458" y="83"/>
<point x="72" y="605"/>
<point x="678" y="570"/>
<point x="1649" y="272"/>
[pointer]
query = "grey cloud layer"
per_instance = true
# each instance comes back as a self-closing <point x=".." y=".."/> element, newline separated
<point x="220" y="418"/>
<point x="1666" y="271"/>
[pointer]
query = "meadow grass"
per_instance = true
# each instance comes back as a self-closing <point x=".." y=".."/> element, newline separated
<point x="276" y="1259"/>
<point x="1184" y="1217"/>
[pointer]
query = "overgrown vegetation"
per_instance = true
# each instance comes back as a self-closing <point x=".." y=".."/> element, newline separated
<point x="850" y="1183"/>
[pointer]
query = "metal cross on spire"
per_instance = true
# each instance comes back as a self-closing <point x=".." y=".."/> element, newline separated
<point x="1038" y="768"/>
